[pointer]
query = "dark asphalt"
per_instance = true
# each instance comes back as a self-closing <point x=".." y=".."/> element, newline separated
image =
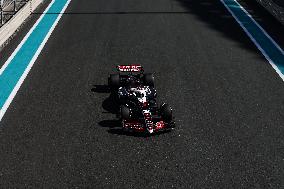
<point x="228" y="102"/>
<point x="279" y="3"/>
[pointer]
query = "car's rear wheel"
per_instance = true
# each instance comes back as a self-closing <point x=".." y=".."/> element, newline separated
<point x="149" y="79"/>
<point x="124" y="112"/>
<point x="114" y="80"/>
<point x="166" y="113"/>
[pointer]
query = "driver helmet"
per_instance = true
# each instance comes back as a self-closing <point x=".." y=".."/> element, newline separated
<point x="133" y="82"/>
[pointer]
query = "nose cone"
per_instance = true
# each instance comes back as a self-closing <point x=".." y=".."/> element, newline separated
<point x="150" y="130"/>
<point x="144" y="102"/>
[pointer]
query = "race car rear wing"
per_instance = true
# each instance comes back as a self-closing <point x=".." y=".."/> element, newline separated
<point x="130" y="68"/>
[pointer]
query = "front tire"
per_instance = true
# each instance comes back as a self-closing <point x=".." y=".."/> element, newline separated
<point x="125" y="112"/>
<point x="166" y="113"/>
<point x="149" y="79"/>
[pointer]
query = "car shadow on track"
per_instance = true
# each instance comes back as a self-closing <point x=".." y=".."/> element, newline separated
<point x="120" y="131"/>
<point x="109" y="104"/>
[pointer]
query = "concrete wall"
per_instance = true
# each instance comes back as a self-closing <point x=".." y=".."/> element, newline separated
<point x="7" y="30"/>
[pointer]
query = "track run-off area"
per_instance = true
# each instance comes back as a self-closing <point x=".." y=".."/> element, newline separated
<point x="213" y="63"/>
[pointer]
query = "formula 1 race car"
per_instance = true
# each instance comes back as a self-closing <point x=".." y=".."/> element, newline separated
<point x="136" y="95"/>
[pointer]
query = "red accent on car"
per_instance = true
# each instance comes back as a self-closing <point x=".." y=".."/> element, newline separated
<point x="130" y="68"/>
<point x="145" y="104"/>
<point x="132" y="124"/>
<point x="160" y="125"/>
<point x="139" y="127"/>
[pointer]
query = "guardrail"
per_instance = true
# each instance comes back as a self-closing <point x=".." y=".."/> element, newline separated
<point x="275" y="7"/>
<point x="8" y="8"/>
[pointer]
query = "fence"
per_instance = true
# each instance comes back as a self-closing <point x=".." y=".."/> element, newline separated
<point x="8" y="8"/>
<point x="275" y="7"/>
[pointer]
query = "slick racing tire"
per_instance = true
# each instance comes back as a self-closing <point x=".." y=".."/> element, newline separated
<point x="125" y="112"/>
<point x="149" y="79"/>
<point x="114" y="80"/>
<point x="166" y="112"/>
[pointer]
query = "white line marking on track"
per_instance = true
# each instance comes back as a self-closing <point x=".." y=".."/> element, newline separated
<point x="254" y="40"/>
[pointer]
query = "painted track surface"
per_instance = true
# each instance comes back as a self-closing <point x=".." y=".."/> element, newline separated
<point x="228" y="102"/>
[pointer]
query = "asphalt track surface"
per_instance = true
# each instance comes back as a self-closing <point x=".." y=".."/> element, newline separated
<point x="60" y="130"/>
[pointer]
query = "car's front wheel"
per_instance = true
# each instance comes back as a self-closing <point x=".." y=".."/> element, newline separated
<point x="166" y="113"/>
<point x="124" y="112"/>
<point x="149" y="79"/>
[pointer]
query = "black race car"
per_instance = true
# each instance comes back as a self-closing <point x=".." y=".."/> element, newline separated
<point x="136" y="95"/>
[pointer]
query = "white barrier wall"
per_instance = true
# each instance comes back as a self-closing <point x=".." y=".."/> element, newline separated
<point x="9" y="28"/>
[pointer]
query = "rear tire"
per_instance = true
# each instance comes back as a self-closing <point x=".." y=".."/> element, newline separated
<point x="149" y="79"/>
<point x="114" y="80"/>
<point x="166" y="113"/>
<point x="125" y="112"/>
